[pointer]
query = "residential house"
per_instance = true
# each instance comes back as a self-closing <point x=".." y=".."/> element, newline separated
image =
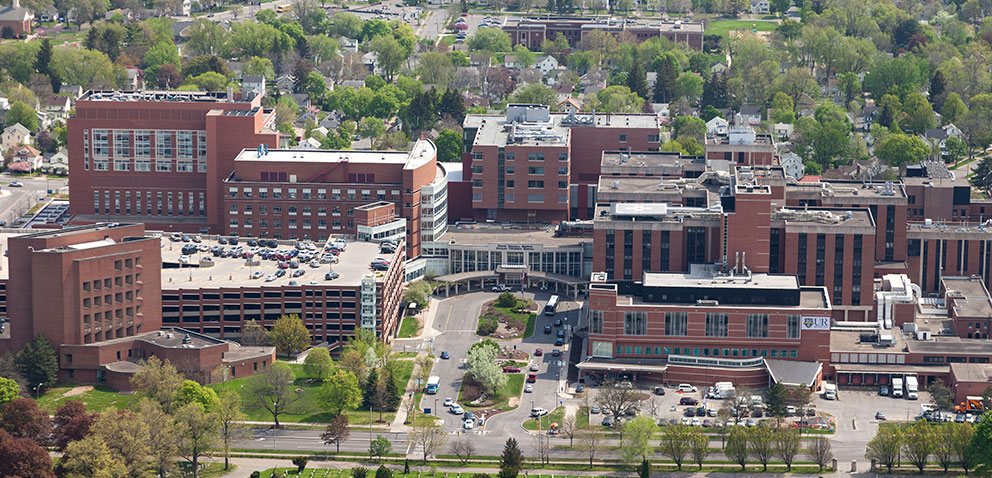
<point x="783" y="131"/>
<point x="760" y="7"/>
<point x="331" y="121"/>
<point x="72" y="91"/>
<point x="302" y="99"/>
<point x="57" y="107"/>
<point x="371" y="62"/>
<point x="864" y="119"/>
<point x="17" y="18"/>
<point x="14" y="135"/>
<point x="353" y="84"/>
<point x="285" y="82"/>
<point x="135" y="78"/>
<point x="718" y="68"/>
<point x="663" y="112"/>
<point x="25" y="159"/>
<point x="593" y="81"/>
<point x="254" y="83"/>
<point x="717" y="126"/>
<point x="564" y="91"/>
<point x="307" y="115"/>
<point x="309" y="143"/>
<point x="510" y="61"/>
<point x="939" y="136"/>
<point x="546" y="63"/>
<point x="348" y="44"/>
<point x="792" y="165"/>
<point x="480" y="60"/>
<point x="475" y="101"/>
<point x="651" y="78"/>
<point x="569" y="105"/>
<point x="56" y="163"/>
<point x="751" y="115"/>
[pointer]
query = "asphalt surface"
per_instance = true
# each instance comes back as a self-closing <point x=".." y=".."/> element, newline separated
<point x="15" y="201"/>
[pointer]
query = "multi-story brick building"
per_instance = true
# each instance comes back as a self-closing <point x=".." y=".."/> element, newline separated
<point x="160" y="157"/>
<point x="530" y="32"/>
<point x="741" y="146"/>
<point x="303" y="194"/>
<point x="95" y="293"/>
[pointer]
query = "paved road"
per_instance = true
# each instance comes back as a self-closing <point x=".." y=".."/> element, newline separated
<point x="16" y="201"/>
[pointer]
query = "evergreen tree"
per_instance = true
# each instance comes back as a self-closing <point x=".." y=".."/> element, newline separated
<point x="511" y="461"/>
<point x="302" y="68"/>
<point x="636" y="81"/>
<point x="393" y="393"/>
<point x="777" y="398"/>
<point x="982" y="177"/>
<point x="38" y="362"/>
<point x="715" y="92"/>
<point x="92" y="38"/>
<point x="452" y="104"/>
<point x="645" y="471"/>
<point x="368" y="395"/>
<point x="937" y="86"/>
<point x="44" y="57"/>
<point x="668" y="73"/>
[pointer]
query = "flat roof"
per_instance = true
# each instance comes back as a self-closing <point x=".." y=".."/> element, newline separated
<point x="850" y="341"/>
<point x="591" y="22"/>
<point x="970" y="298"/>
<point x="485" y="236"/>
<point x="654" y="159"/>
<point x="235" y="272"/>
<point x="752" y="281"/>
<point x="972" y="372"/>
<point x="944" y="344"/>
<point x="830" y="188"/>
<point x="422" y="152"/>
<point x="495" y="131"/>
<point x="163" y="96"/>
<point x="834" y="217"/>
<point x="889" y="368"/>
<point x="648" y="185"/>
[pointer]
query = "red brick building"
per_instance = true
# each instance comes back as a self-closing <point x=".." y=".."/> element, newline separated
<point x="160" y="157"/>
<point x="530" y="32"/>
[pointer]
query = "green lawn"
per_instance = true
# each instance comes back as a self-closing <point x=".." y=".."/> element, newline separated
<point x="554" y="417"/>
<point x="307" y="407"/>
<point x="513" y="388"/>
<point x="212" y="470"/>
<point x="529" y="319"/>
<point x="409" y="327"/>
<point x="723" y="27"/>
<point x="96" y="400"/>
<point x="582" y="418"/>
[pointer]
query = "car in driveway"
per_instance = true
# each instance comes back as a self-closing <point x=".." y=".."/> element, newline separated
<point x="457" y="409"/>
<point x="511" y="369"/>
<point x="445" y="356"/>
<point x="538" y="412"/>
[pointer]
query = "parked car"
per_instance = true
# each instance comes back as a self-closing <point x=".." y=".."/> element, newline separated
<point x="884" y="391"/>
<point x="547" y="329"/>
<point x="556" y="353"/>
<point x="331" y="276"/>
<point x="531" y="377"/>
<point x="457" y="409"/>
<point x="538" y="412"/>
<point x="594" y="410"/>
<point x="529" y="388"/>
<point x="659" y="390"/>
<point x="607" y="421"/>
<point x="686" y="388"/>
<point x="688" y="401"/>
<point x="538" y="352"/>
<point x="445" y="356"/>
<point x="511" y="369"/>
<point x="469" y="424"/>
<point x="879" y="415"/>
<point x="559" y="342"/>
<point x="534" y="367"/>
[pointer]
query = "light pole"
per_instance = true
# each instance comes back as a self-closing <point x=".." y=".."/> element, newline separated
<point x="37" y="390"/>
<point x="435" y="408"/>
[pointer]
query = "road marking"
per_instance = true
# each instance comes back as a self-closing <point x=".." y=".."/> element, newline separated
<point x="448" y="319"/>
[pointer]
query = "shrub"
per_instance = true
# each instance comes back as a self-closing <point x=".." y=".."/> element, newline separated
<point x="506" y="299"/>
<point x="255" y="474"/>
<point x="301" y="463"/>
<point x="487" y="325"/>
<point x="359" y="472"/>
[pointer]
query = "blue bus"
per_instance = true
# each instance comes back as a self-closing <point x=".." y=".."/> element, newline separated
<point x="552" y="306"/>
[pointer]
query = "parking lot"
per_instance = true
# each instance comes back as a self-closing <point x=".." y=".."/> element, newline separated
<point x="204" y="267"/>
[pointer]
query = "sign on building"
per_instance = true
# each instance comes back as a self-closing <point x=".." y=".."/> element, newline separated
<point x="816" y="323"/>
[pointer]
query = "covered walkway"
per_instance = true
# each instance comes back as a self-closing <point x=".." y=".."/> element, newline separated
<point x="510" y="276"/>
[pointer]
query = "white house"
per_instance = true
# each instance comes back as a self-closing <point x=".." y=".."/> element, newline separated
<point x="782" y="131"/>
<point x="792" y="165"/>
<point x="57" y="163"/>
<point x="664" y="112"/>
<point x="716" y="126"/>
<point x="348" y="44"/>
<point x="546" y="63"/>
<point x="718" y="68"/>
<point x="57" y="107"/>
<point x="760" y="7"/>
<point x="510" y="61"/>
<point x="254" y="83"/>
<point x="309" y="143"/>
<point x="751" y="115"/>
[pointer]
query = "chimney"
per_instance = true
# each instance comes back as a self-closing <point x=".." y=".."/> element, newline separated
<point x="16" y="4"/>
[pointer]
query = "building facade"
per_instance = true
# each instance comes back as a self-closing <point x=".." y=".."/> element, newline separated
<point x="530" y="32"/>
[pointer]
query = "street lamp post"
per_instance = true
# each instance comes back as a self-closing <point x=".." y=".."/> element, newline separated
<point x="37" y="390"/>
<point x="435" y="408"/>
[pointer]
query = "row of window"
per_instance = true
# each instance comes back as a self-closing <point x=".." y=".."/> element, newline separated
<point x="677" y="324"/>
<point x="531" y="198"/>
<point x="292" y="223"/>
<point x="148" y="203"/>
<point x="705" y="351"/>
<point x="145" y="165"/>
<point x="307" y="194"/>
<point x="263" y="210"/>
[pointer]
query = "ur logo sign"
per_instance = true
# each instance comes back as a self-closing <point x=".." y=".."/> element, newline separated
<point x="816" y="323"/>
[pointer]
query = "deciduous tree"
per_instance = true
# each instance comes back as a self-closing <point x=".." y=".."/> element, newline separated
<point x="127" y="435"/>
<point x="230" y="418"/>
<point x="884" y="448"/>
<point x="787" y="444"/>
<point x="336" y="432"/>
<point x="429" y="436"/>
<point x="463" y="448"/>
<point x="819" y="451"/>
<point x="340" y="391"/>
<point x="289" y="335"/>
<point x="198" y="433"/>
<point x="738" y="449"/>
<point x="157" y="380"/>
<point x="272" y="390"/>
<point x="91" y="457"/>
<point x="318" y="364"/>
<point x="71" y="422"/>
<point x="676" y="443"/>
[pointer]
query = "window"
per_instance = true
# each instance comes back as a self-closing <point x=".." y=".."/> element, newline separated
<point x="535" y="156"/>
<point x="596" y="321"/>
<point x="476" y="169"/>
<point x="535" y="184"/>
<point x="716" y="325"/>
<point x="562" y="184"/>
<point x="143" y="165"/>
<point x="476" y="197"/>
<point x="142" y="144"/>
<point x="654" y="138"/>
<point x="510" y="197"/>
<point x="122" y="144"/>
<point x="184" y="144"/>
<point x="122" y="165"/>
<point x="563" y="170"/>
<point x="511" y="170"/>
<point x="757" y="325"/>
<point x="163" y="166"/>
<point x="535" y="198"/>
<point x="510" y="183"/>
<point x="163" y="144"/>
<point x="201" y="145"/>
<point x="184" y="166"/>
<point x="562" y="198"/>
<point x="623" y="138"/>
<point x="100" y="142"/>
<point x="562" y="156"/>
<point x="635" y="323"/>
<point x="535" y="170"/>
<point x="676" y="323"/>
<point x="792" y="327"/>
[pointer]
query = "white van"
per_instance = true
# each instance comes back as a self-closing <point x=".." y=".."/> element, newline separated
<point x="830" y="391"/>
<point x="686" y="388"/>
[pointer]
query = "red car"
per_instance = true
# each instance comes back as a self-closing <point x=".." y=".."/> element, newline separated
<point x="531" y="377"/>
<point x="538" y="352"/>
<point x="511" y="369"/>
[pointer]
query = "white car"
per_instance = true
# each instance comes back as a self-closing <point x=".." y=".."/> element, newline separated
<point x="686" y="388"/>
<point x="457" y="409"/>
<point x="538" y="412"/>
<point x="271" y="277"/>
<point x="448" y="402"/>
<point x="469" y="424"/>
<point x="534" y="367"/>
<point x="529" y="388"/>
<point x="184" y="259"/>
<point x="696" y="421"/>
<point x="315" y="264"/>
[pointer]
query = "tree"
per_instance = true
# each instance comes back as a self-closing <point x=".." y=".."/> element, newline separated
<point x="639" y="432"/>
<point x="389" y="55"/>
<point x="289" y="335"/>
<point x="919" y="114"/>
<point x="336" y="432"/>
<point x="787" y="445"/>
<point x="359" y="472"/>
<point x="371" y="127"/>
<point x="463" y="448"/>
<point x="436" y="68"/>
<point x="689" y="127"/>
<point x="23" y="419"/>
<point x="229" y="420"/>
<point x="796" y="82"/>
<point x="497" y="84"/>
<point x="885" y="446"/>
<point x="452" y="104"/>
<point x="761" y="442"/>
<point x="777" y="401"/>
<point x="569" y="426"/>
<point x="918" y="443"/>
<point x="70" y="423"/>
<point x="645" y="470"/>
<point x="489" y="39"/>
<point x="198" y="433"/>
<point x="615" y="99"/>
<point x="590" y="441"/>
<point x="26" y="116"/>
<point x="482" y="364"/>
<point x="301" y="69"/>
<point x="636" y="81"/>
<point x="819" y="451"/>
<point x="616" y="396"/>
<point x="737" y="448"/>
<point x="383" y="472"/>
<point x="163" y="437"/>
<point x="699" y="447"/>
<point x="9" y="390"/>
<point x="954" y="149"/>
<point x="168" y="77"/>
<point x="961" y="442"/>
<point x="689" y="85"/>
<point x="272" y="390"/>
<point x="90" y="457"/>
<point x="430" y="436"/>
<point x="23" y="458"/>
<point x="536" y="93"/>
<point x="44" y="57"/>
<point x="676" y="443"/>
<point x="206" y="37"/>
<point x="191" y="392"/>
<point x="449" y="146"/>
<point x="941" y="396"/>
<point x="953" y="109"/>
<point x="901" y="149"/>
<point x="157" y="380"/>
<point x="127" y="435"/>
<point x="318" y="364"/>
<point x="340" y="391"/>
<point x="259" y="66"/>
<point x="380" y="447"/>
<point x="511" y="461"/>
<point x="943" y="445"/>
